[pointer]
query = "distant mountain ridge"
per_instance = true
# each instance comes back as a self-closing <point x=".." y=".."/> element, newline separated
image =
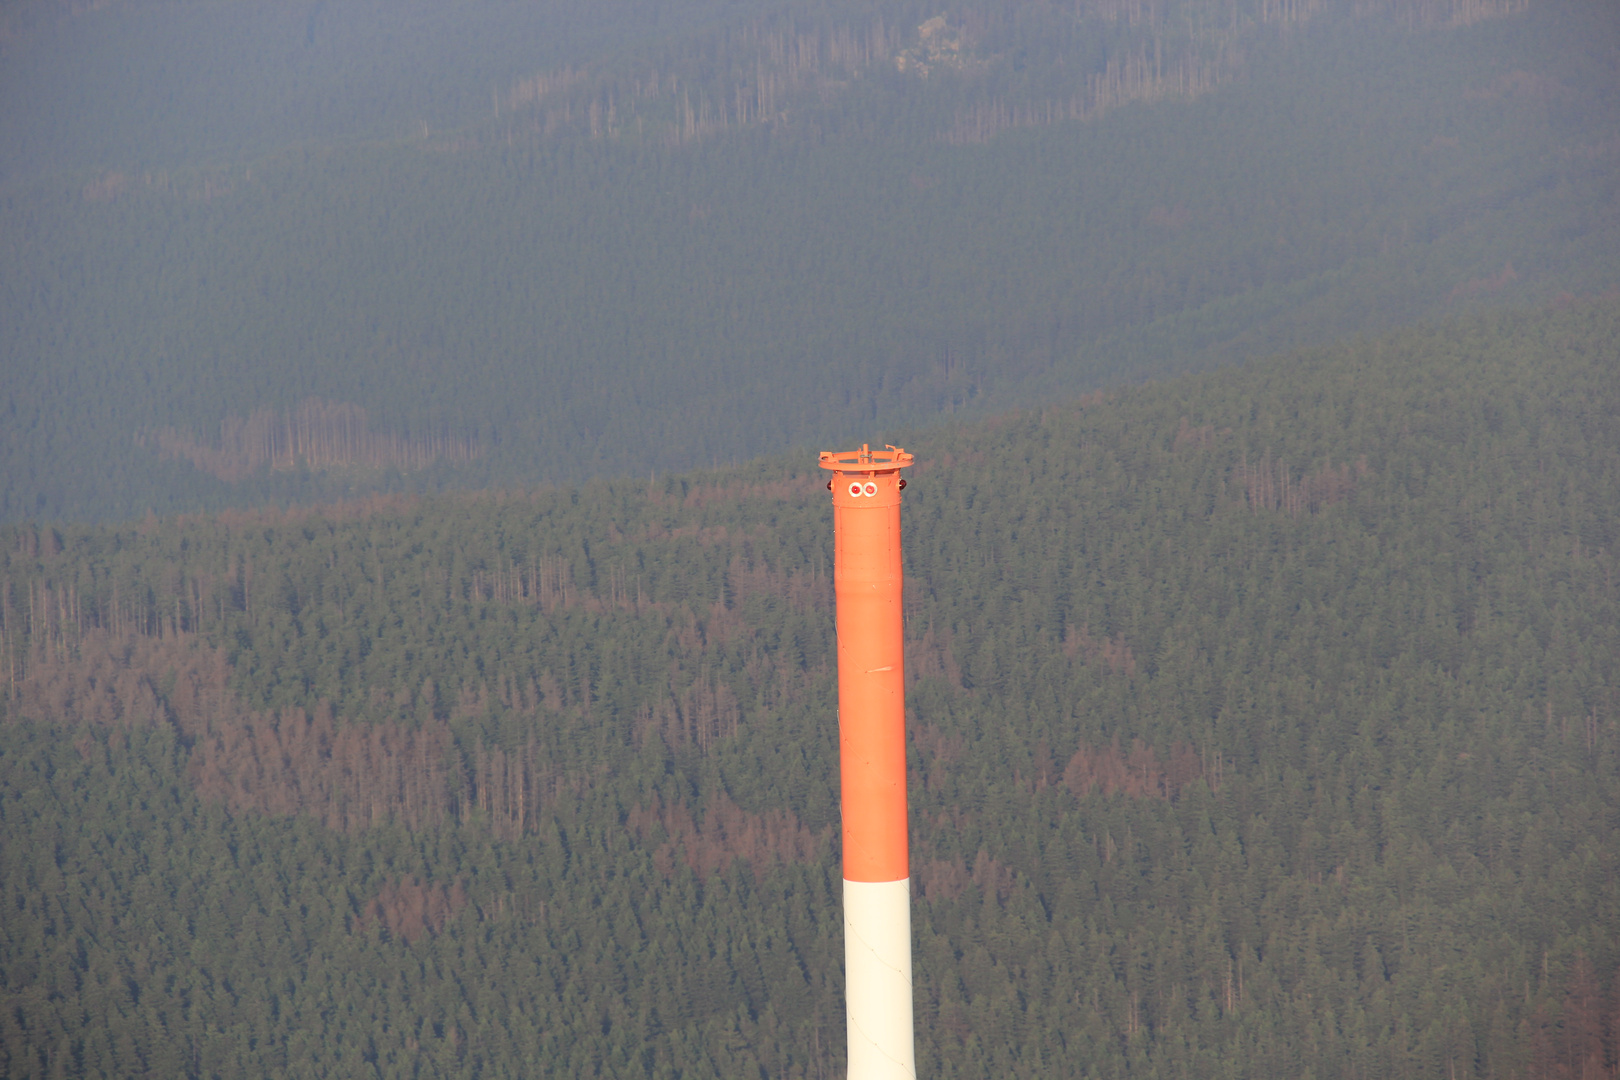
<point x="664" y="235"/>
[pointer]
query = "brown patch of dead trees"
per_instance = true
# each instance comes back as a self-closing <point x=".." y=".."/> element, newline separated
<point x="931" y="657"/>
<point x="1137" y="772"/>
<point x="315" y="434"/>
<point x="1194" y="438"/>
<point x="725" y="832"/>
<point x="697" y="715"/>
<point x="1269" y="485"/>
<point x="947" y="879"/>
<point x="109" y="680"/>
<point x="1577" y="1037"/>
<point x="346" y="775"/>
<point x="1146" y="75"/>
<point x="1113" y="652"/>
<point x="408" y="909"/>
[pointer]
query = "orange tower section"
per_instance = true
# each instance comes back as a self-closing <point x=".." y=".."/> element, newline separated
<point x="866" y="486"/>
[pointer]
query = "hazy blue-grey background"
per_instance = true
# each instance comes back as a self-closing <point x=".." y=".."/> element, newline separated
<point x="269" y="252"/>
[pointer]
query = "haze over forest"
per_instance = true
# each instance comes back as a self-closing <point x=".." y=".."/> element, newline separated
<point x="272" y="252"/>
<point x="416" y="621"/>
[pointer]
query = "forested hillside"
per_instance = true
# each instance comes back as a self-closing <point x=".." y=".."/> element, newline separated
<point x="671" y="235"/>
<point x="1264" y="723"/>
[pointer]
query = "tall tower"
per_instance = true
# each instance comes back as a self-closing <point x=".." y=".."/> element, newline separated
<point x="866" y="488"/>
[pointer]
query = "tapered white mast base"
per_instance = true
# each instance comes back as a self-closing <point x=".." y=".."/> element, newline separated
<point x="877" y="979"/>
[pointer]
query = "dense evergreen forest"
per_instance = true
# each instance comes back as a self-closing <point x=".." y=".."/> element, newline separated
<point x="264" y="254"/>
<point x="1264" y="723"/>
